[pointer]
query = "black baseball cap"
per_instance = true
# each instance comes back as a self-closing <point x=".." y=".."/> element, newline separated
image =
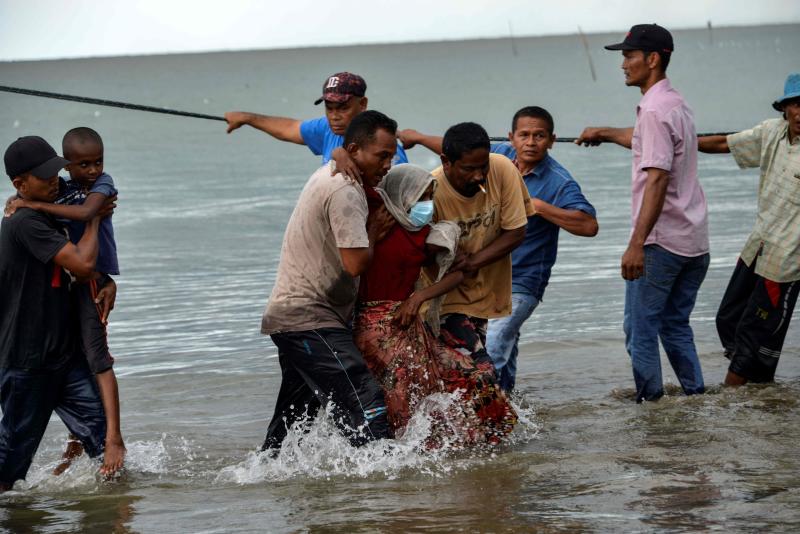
<point x="647" y="37"/>
<point x="34" y="155"/>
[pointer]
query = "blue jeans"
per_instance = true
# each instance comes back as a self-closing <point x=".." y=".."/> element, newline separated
<point x="503" y="338"/>
<point x="658" y="305"/>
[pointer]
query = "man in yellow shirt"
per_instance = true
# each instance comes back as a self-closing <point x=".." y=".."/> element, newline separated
<point x="481" y="192"/>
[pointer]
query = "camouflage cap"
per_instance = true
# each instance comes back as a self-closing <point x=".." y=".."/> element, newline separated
<point x="341" y="87"/>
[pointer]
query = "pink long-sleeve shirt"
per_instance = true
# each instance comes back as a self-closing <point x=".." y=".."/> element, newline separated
<point x="664" y="137"/>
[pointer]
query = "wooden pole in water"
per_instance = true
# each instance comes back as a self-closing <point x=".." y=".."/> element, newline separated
<point x="588" y="55"/>
<point x="710" y="34"/>
<point x="511" y="36"/>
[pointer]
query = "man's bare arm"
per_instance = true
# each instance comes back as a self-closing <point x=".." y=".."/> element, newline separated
<point x="411" y="138"/>
<point x="575" y="222"/>
<point x="504" y="244"/>
<point x="280" y="128"/>
<point x="356" y="261"/>
<point x="594" y="136"/>
<point x="655" y="191"/>
<point x="713" y="144"/>
<point x="80" y="259"/>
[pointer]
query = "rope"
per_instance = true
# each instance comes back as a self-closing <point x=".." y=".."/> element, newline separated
<point x="109" y="103"/>
<point x="167" y="111"/>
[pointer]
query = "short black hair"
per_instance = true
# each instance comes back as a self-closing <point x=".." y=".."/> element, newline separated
<point x="81" y="135"/>
<point x="534" y="112"/>
<point x="665" y="57"/>
<point x="365" y="125"/>
<point x="462" y="138"/>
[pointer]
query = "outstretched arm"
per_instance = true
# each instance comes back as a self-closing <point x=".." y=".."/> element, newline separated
<point x="410" y="138"/>
<point x="575" y="222"/>
<point x="593" y="136"/>
<point x="280" y="128"/>
<point x="713" y="144"/>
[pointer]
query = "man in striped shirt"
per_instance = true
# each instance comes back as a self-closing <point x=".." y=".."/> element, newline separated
<point x="755" y="312"/>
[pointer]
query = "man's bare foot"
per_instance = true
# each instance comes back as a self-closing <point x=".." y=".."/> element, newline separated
<point x="113" y="457"/>
<point x="73" y="450"/>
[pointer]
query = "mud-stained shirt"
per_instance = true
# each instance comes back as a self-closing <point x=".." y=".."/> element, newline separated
<point x="312" y="289"/>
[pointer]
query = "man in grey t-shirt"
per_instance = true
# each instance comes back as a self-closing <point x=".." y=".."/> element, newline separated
<point x="327" y="245"/>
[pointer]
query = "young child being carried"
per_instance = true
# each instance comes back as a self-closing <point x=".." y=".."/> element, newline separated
<point x="79" y="200"/>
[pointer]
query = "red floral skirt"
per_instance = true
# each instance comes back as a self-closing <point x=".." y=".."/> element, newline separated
<point x="411" y="364"/>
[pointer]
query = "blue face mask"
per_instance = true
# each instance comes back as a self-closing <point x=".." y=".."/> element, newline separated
<point x="421" y="213"/>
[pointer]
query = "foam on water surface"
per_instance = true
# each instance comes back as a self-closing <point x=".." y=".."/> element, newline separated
<point x="316" y="449"/>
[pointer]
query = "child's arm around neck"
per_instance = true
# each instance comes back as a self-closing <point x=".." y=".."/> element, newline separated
<point x="94" y="204"/>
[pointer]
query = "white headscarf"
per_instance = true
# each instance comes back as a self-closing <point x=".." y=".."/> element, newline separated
<point x="400" y="189"/>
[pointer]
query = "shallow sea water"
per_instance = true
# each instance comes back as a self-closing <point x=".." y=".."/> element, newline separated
<point x="199" y="225"/>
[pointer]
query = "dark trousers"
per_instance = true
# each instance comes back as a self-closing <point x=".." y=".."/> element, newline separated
<point x="752" y="322"/>
<point x="321" y="366"/>
<point x="28" y="398"/>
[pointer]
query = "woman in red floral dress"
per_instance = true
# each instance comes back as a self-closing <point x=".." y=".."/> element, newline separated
<point x="401" y="350"/>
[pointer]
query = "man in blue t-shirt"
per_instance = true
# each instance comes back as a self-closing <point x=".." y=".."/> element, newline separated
<point x="559" y="203"/>
<point x="344" y="97"/>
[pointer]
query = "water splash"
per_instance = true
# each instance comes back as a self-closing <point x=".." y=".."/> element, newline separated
<point x="316" y="449"/>
<point x="167" y="455"/>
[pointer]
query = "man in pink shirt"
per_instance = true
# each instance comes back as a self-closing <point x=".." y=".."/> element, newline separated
<point x="667" y="255"/>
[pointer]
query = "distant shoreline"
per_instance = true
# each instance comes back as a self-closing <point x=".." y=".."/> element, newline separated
<point x="515" y="37"/>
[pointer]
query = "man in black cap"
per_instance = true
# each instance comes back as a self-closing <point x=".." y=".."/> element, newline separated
<point x="755" y="312"/>
<point x="667" y="255"/>
<point x="344" y="95"/>
<point x="41" y="367"/>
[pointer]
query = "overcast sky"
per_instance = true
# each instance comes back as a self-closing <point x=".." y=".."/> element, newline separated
<point x="34" y="29"/>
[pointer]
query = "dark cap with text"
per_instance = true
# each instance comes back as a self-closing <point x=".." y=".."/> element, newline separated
<point x="341" y="87"/>
<point x="34" y="155"/>
<point x="647" y="37"/>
